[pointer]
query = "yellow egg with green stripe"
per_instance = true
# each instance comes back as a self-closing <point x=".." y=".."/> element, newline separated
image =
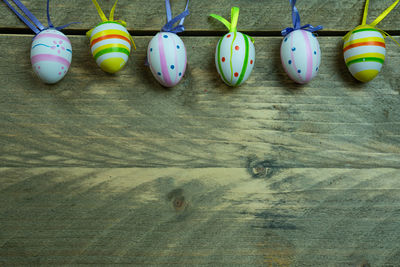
<point x="364" y="52"/>
<point x="110" y="44"/>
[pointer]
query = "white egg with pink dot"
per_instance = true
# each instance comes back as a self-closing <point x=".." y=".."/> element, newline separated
<point x="51" y="55"/>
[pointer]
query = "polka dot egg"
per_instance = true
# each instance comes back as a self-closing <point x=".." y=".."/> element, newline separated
<point x="301" y="56"/>
<point x="51" y="55"/>
<point x="235" y="58"/>
<point x="167" y="58"/>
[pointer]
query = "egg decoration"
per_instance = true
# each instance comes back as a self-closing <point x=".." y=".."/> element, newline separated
<point x="110" y="42"/>
<point x="301" y="56"/>
<point x="235" y="58"/>
<point x="235" y="53"/>
<point x="300" y="50"/>
<point x="364" y="52"/>
<point x="166" y="52"/>
<point x="51" y="50"/>
<point x="51" y="55"/>
<point x="364" y="47"/>
<point x="167" y="58"/>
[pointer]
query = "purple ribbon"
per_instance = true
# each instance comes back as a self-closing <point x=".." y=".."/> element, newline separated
<point x="297" y="24"/>
<point x="36" y="26"/>
<point x="169" y="27"/>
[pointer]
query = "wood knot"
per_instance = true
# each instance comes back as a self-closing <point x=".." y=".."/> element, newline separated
<point x="177" y="199"/>
<point x="261" y="169"/>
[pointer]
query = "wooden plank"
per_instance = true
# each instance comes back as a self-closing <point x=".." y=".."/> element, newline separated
<point x="215" y="216"/>
<point x="97" y="120"/>
<point x="273" y="15"/>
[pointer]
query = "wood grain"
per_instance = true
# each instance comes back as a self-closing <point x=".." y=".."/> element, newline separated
<point x="103" y="169"/>
<point x="93" y="119"/>
<point x="186" y="216"/>
<point x="272" y="15"/>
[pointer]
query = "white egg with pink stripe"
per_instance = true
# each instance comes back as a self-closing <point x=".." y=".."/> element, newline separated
<point x="167" y="58"/>
<point x="51" y="55"/>
<point x="301" y="56"/>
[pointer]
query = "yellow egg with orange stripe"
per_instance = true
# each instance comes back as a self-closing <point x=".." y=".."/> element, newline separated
<point x="364" y="52"/>
<point x="110" y="44"/>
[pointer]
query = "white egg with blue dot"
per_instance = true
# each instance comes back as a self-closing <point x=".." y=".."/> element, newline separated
<point x="301" y="56"/>
<point x="167" y="58"/>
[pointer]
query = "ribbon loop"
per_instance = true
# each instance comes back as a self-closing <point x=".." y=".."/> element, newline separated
<point x="104" y="19"/>
<point x="101" y="13"/>
<point x="232" y="26"/>
<point x="297" y="23"/>
<point x="36" y="26"/>
<point x="384" y="14"/>
<point x="169" y="26"/>
<point x="376" y="21"/>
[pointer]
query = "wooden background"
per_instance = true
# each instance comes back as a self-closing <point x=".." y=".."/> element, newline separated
<point x="103" y="169"/>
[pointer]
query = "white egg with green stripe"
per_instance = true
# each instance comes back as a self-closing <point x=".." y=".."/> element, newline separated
<point x="235" y="53"/>
<point x="235" y="58"/>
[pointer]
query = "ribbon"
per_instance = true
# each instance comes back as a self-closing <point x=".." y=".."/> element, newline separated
<point x="104" y="19"/>
<point x="376" y="21"/>
<point x="169" y="27"/>
<point x="36" y="26"/>
<point x="232" y="26"/>
<point x="297" y="24"/>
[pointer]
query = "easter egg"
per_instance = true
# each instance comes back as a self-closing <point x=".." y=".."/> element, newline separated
<point x="167" y="58"/>
<point x="364" y="52"/>
<point x="51" y="55"/>
<point x="235" y="58"/>
<point x="301" y="56"/>
<point x="110" y="44"/>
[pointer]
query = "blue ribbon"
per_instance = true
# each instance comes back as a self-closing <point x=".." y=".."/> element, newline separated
<point x="296" y="22"/>
<point x="169" y="27"/>
<point x="36" y="26"/>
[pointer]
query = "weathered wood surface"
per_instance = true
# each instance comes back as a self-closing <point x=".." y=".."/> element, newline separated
<point x="103" y="169"/>
<point x="215" y="216"/>
<point x="271" y="15"/>
<point x="128" y="120"/>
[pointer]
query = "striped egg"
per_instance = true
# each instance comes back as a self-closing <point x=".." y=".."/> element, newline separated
<point x="167" y="58"/>
<point x="51" y="55"/>
<point x="235" y="58"/>
<point x="364" y="52"/>
<point x="301" y="56"/>
<point x="110" y="44"/>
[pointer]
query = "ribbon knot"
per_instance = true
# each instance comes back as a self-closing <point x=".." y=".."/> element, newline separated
<point x="169" y="26"/>
<point x="104" y="19"/>
<point x="376" y="21"/>
<point x="34" y="24"/>
<point x="297" y="22"/>
<point x="232" y="26"/>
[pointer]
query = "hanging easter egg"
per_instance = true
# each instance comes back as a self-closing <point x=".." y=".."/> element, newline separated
<point x="364" y="47"/>
<point x="235" y="58"/>
<point x="110" y="44"/>
<point x="167" y="58"/>
<point x="166" y="53"/>
<point x="51" y="51"/>
<point x="300" y="50"/>
<point x="235" y="54"/>
<point x="364" y="52"/>
<point x="51" y="55"/>
<point x="301" y="56"/>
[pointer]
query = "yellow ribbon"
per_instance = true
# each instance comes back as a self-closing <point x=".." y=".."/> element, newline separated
<point x="377" y="20"/>
<point x="104" y="19"/>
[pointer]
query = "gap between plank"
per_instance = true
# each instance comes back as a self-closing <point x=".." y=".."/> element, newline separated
<point x="196" y="33"/>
